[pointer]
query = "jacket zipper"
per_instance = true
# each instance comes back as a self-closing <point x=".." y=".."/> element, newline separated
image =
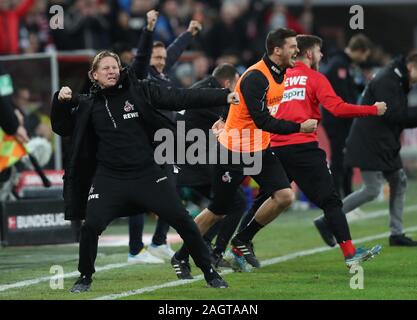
<point x="109" y="112"/>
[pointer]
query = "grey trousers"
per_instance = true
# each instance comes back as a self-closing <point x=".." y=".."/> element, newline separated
<point x="372" y="183"/>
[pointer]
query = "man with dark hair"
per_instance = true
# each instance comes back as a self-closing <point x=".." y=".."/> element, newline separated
<point x="374" y="145"/>
<point x="197" y="177"/>
<point x="110" y="169"/>
<point x="340" y="74"/>
<point x="302" y="159"/>
<point x="158" y="61"/>
<point x="246" y="132"/>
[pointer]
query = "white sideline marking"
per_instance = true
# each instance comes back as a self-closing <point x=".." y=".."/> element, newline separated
<point x="263" y="263"/>
<point x="378" y="213"/>
<point x="26" y="283"/>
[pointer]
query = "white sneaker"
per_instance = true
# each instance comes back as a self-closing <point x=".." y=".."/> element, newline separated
<point x="143" y="257"/>
<point x="163" y="251"/>
<point x="356" y="214"/>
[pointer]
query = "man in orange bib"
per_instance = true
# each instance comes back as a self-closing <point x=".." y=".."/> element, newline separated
<point x="246" y="136"/>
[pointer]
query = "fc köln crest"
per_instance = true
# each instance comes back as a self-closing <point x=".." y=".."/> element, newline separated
<point x="226" y="177"/>
<point x="128" y="106"/>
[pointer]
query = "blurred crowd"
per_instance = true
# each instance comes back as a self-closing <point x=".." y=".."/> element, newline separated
<point x="233" y="31"/>
<point x="232" y="28"/>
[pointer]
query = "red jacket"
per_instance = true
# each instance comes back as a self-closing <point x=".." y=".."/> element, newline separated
<point x="9" y="27"/>
<point x="305" y="90"/>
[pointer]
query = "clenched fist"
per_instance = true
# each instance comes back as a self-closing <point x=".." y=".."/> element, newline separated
<point x="65" y="94"/>
<point x="151" y="17"/>
<point x="233" y="98"/>
<point x="381" y="107"/>
<point x="308" y="126"/>
<point x="194" y="27"/>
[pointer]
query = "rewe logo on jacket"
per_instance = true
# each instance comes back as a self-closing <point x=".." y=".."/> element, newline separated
<point x="128" y="107"/>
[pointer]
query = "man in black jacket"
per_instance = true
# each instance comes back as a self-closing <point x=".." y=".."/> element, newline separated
<point x="374" y="145"/>
<point x="110" y="170"/>
<point x="340" y="74"/>
<point x="158" y="61"/>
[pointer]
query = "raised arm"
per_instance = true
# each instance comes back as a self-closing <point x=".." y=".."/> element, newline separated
<point x="23" y="7"/>
<point x="8" y="120"/>
<point x="170" y="98"/>
<point x="63" y="107"/>
<point x="253" y="87"/>
<point x="337" y="107"/>
<point x="142" y="59"/>
<point x="177" y="47"/>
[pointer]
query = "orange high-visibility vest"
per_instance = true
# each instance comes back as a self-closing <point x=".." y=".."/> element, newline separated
<point x="240" y="133"/>
<point x="11" y="150"/>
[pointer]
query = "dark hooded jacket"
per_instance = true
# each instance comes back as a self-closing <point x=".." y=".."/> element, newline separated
<point x="374" y="143"/>
<point x="73" y="118"/>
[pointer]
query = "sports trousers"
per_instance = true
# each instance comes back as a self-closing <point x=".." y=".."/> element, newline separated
<point x="111" y="198"/>
<point x="228" y="177"/>
<point x="306" y="165"/>
<point x="137" y="222"/>
<point x="373" y="181"/>
<point x="223" y="229"/>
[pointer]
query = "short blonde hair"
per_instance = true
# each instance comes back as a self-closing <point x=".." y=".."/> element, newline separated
<point x="100" y="56"/>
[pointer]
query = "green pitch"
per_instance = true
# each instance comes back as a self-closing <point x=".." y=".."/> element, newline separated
<point x="321" y="275"/>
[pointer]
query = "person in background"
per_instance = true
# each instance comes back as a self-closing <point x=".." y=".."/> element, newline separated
<point x="9" y="21"/>
<point x="340" y="75"/>
<point x="36" y="123"/>
<point x="10" y="121"/>
<point x="374" y="144"/>
<point x="161" y="61"/>
<point x="197" y="177"/>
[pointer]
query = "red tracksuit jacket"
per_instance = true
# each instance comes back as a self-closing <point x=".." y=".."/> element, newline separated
<point x="305" y="90"/>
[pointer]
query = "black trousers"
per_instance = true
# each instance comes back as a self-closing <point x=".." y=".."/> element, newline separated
<point x="226" y="186"/>
<point x="342" y="175"/>
<point x="228" y="177"/>
<point x="306" y="165"/>
<point x="137" y="222"/>
<point x="225" y="228"/>
<point x="111" y="198"/>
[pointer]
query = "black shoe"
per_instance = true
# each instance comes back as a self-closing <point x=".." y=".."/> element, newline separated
<point x="246" y="250"/>
<point x="83" y="284"/>
<point x="219" y="262"/>
<point x="402" y="241"/>
<point x="214" y="280"/>
<point x="182" y="268"/>
<point x="325" y="232"/>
